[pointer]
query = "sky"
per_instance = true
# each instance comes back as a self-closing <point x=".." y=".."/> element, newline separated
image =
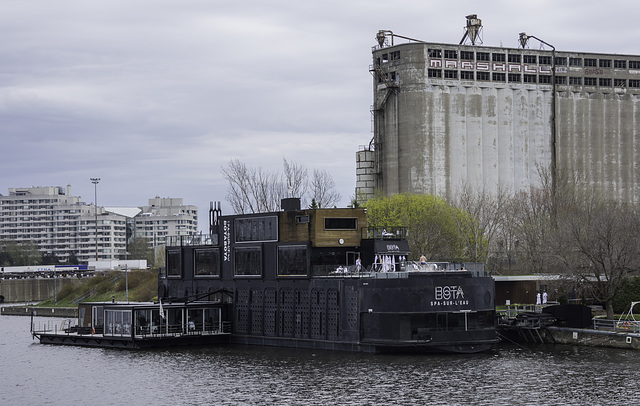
<point x="154" y="97"/>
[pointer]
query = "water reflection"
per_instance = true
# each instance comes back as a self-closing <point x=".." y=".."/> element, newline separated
<point x="43" y="374"/>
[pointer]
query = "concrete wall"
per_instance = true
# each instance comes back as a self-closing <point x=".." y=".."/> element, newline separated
<point x="32" y="290"/>
<point x="598" y="137"/>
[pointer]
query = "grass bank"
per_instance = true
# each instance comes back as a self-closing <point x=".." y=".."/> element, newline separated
<point x="142" y="284"/>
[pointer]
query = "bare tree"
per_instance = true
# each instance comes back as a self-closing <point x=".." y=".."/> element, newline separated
<point x="485" y="219"/>
<point x="296" y="178"/>
<point x="239" y="191"/>
<point x="531" y="223"/>
<point x="255" y="190"/>
<point x="598" y="242"/>
<point x="323" y="189"/>
<point x="252" y="190"/>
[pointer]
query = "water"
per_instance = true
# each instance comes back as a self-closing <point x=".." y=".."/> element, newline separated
<point x="36" y="374"/>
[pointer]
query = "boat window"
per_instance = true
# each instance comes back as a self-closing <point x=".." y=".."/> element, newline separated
<point x="117" y="322"/>
<point x="174" y="263"/>
<point x="256" y="229"/>
<point x="144" y="321"/>
<point x="207" y="262"/>
<point x="292" y="260"/>
<point x="248" y="261"/>
<point x="340" y="223"/>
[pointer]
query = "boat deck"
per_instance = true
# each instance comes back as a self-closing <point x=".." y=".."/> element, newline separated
<point x="121" y="336"/>
<point x="134" y="341"/>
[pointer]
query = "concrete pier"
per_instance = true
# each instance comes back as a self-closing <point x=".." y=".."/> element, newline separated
<point x="592" y="338"/>
<point x="39" y="311"/>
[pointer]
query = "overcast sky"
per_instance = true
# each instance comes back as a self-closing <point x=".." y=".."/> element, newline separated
<point x="155" y="96"/>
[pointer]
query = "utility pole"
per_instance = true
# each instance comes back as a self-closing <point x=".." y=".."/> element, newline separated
<point x="95" y="203"/>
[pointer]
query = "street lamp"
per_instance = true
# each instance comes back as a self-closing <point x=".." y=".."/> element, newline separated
<point x="524" y="38"/>
<point x="95" y="203"/>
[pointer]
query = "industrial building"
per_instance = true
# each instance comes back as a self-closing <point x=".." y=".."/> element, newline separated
<point x="450" y="115"/>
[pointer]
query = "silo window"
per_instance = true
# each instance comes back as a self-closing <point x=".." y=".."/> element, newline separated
<point x="434" y="73"/>
<point x="620" y="64"/>
<point x="575" y="61"/>
<point x="604" y="63"/>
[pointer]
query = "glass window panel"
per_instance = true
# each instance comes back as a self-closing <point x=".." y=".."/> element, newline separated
<point x="292" y="260"/>
<point x="248" y="261"/>
<point x="174" y="263"/>
<point x="340" y="223"/>
<point x="207" y="262"/>
<point x="256" y="229"/>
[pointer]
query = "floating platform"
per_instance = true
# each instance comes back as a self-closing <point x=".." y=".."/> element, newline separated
<point x="139" y="325"/>
<point x="130" y="342"/>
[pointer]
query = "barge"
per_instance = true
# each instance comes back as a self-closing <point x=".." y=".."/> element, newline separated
<point x="303" y="278"/>
<point x="321" y="278"/>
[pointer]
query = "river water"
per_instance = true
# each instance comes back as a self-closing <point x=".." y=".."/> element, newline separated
<point x="37" y="374"/>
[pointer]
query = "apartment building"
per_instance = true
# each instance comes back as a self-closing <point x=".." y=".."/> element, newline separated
<point x="164" y="217"/>
<point x="61" y="224"/>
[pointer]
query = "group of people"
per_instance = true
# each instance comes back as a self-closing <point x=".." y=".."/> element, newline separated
<point x="544" y="298"/>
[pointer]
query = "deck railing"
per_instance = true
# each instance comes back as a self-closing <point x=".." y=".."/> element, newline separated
<point x="618" y="326"/>
<point x="66" y="327"/>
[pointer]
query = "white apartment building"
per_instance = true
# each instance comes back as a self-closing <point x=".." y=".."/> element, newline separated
<point x="165" y="217"/>
<point x="61" y="224"/>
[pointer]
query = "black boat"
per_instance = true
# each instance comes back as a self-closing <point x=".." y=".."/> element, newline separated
<point x="320" y="278"/>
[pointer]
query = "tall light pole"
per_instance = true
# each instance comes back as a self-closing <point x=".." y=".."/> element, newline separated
<point x="524" y="38"/>
<point x="95" y="203"/>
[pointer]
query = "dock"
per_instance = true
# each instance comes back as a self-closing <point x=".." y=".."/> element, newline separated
<point x="569" y="324"/>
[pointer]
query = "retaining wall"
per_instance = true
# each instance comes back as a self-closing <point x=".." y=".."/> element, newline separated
<point x="32" y="290"/>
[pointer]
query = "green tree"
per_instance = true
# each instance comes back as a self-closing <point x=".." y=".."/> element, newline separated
<point x="5" y="258"/>
<point x="73" y="259"/>
<point x="436" y="229"/>
<point x="49" y="258"/>
<point x="23" y="253"/>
